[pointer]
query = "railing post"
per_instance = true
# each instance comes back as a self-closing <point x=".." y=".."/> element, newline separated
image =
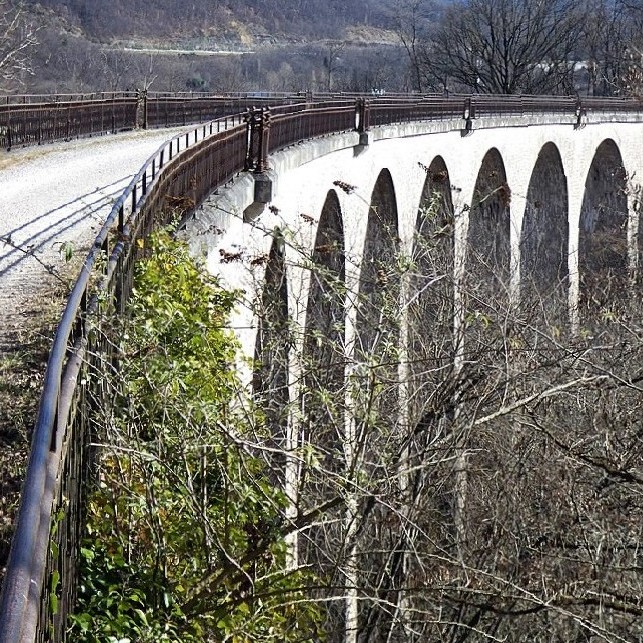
<point x="141" y="108"/>
<point x="580" y="113"/>
<point x="257" y="146"/>
<point x="264" y="140"/>
<point x="362" y="116"/>
<point x="468" y="115"/>
<point x="8" y="125"/>
<point x="258" y="141"/>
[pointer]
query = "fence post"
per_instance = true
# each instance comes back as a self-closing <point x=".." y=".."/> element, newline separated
<point x="468" y="115"/>
<point x="258" y="144"/>
<point x="362" y="120"/>
<point x="264" y="140"/>
<point x="8" y="126"/>
<point x="141" y="108"/>
<point x="257" y="132"/>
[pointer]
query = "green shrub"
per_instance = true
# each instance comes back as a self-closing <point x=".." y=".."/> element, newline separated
<point x="185" y="534"/>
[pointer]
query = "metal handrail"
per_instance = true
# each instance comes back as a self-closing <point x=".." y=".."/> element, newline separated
<point x="218" y="150"/>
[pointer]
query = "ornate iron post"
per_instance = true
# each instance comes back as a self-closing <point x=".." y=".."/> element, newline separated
<point x="258" y="128"/>
<point x="362" y="115"/>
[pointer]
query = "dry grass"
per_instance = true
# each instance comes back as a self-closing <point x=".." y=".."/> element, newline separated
<point x="21" y="155"/>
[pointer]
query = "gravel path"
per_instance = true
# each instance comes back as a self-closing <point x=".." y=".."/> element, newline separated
<point x="52" y="198"/>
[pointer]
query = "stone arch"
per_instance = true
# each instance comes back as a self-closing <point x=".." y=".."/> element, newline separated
<point x="481" y="316"/>
<point x="270" y="377"/>
<point x="376" y="396"/>
<point x="430" y="293"/>
<point x="602" y="238"/>
<point x="323" y="400"/>
<point x="430" y="297"/>
<point x="325" y="310"/>
<point x="379" y="280"/>
<point x="323" y="351"/>
<point x="488" y="238"/>
<point x="544" y="239"/>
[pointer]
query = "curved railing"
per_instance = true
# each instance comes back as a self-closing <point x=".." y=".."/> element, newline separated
<point x="53" y="489"/>
<point x="40" y="582"/>
<point x="32" y="120"/>
<point x="36" y="119"/>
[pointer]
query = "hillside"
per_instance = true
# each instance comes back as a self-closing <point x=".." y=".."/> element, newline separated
<point x="284" y="45"/>
<point x="245" y="22"/>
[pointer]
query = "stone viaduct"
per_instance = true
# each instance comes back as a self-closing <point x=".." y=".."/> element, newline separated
<point x="372" y="265"/>
<point x="546" y="203"/>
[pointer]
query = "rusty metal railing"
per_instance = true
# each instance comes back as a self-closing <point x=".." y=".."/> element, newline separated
<point x="55" y="118"/>
<point x="165" y="110"/>
<point x="40" y="583"/>
<point x="37" y="119"/>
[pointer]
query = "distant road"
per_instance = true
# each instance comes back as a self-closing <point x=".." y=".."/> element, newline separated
<point x="186" y="52"/>
<point x="55" y="198"/>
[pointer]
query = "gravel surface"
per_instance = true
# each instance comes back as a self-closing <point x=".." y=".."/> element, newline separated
<point x="53" y="196"/>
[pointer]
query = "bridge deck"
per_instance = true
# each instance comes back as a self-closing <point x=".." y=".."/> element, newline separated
<point x="54" y="198"/>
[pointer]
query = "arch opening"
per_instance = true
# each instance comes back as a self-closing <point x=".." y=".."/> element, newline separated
<point x="602" y="239"/>
<point x="323" y="409"/>
<point x="270" y="377"/>
<point x="544" y="242"/>
<point x="488" y="238"/>
<point x="379" y="282"/>
<point x="324" y="353"/>
<point x="376" y="398"/>
<point x="430" y="296"/>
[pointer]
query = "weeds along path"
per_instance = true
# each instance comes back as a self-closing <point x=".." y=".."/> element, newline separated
<point x="53" y="201"/>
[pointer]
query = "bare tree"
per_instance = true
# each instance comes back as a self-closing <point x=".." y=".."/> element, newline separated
<point x="604" y="36"/>
<point x="115" y="66"/>
<point x="508" y="46"/>
<point x="479" y="492"/>
<point x="613" y="47"/>
<point x="17" y="40"/>
<point x="411" y="26"/>
<point x="332" y="61"/>
<point x="146" y="71"/>
<point x="455" y="467"/>
<point x="631" y="71"/>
